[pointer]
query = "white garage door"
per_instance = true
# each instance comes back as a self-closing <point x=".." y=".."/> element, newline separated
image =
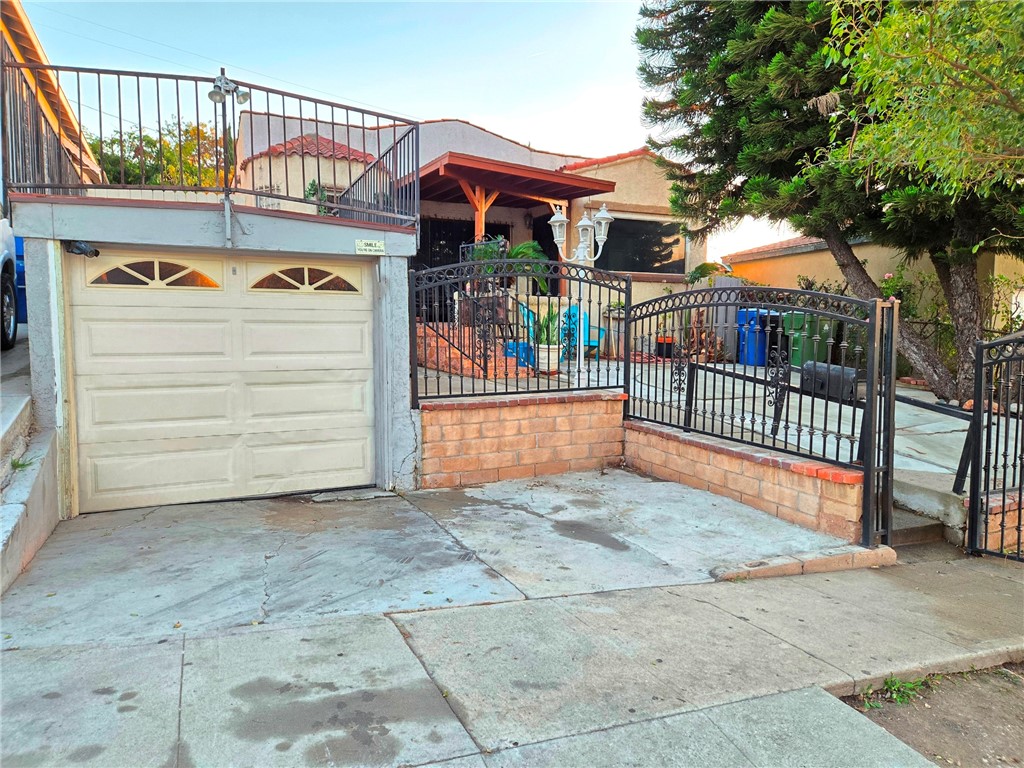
<point x="202" y="378"/>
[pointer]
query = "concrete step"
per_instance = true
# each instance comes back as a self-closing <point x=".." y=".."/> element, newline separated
<point x="15" y="421"/>
<point x="930" y="494"/>
<point x="909" y="529"/>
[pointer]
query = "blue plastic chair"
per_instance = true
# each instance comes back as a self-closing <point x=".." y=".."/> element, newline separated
<point x="570" y="324"/>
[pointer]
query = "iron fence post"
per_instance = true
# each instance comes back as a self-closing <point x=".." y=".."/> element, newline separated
<point x="414" y="376"/>
<point x="869" y="429"/>
<point x="974" y="506"/>
<point x="889" y="432"/>
<point x="627" y="330"/>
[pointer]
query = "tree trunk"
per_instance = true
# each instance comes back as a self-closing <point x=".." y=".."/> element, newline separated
<point x="924" y="359"/>
<point x="963" y="297"/>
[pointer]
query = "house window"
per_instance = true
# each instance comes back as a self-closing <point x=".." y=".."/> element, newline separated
<point x="305" y="279"/>
<point x="268" y="203"/>
<point x="644" y="246"/>
<point x="155" y="273"/>
<point x="440" y="240"/>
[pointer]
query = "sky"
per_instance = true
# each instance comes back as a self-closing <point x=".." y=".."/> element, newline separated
<point x="558" y="76"/>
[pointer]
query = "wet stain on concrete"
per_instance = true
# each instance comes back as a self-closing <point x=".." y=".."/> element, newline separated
<point x="86" y="753"/>
<point x="349" y="750"/>
<point x="580" y="531"/>
<point x="184" y="756"/>
<point x="291" y="711"/>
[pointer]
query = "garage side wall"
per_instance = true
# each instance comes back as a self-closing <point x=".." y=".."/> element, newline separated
<point x="397" y="431"/>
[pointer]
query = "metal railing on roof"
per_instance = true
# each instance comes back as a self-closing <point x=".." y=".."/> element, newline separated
<point x="169" y="137"/>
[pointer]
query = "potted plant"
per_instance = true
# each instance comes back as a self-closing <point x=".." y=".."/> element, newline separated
<point x="545" y="337"/>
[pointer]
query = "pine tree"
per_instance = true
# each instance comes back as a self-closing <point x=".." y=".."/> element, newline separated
<point x="746" y="94"/>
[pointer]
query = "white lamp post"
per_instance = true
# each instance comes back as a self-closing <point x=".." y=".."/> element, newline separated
<point x="590" y="233"/>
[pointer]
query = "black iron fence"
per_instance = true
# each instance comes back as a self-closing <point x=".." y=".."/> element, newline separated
<point x="501" y="325"/>
<point x="110" y="133"/>
<point x="805" y="373"/>
<point x="997" y="470"/>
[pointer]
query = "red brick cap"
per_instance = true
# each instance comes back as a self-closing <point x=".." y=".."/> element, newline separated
<point x="469" y="404"/>
<point x="818" y="469"/>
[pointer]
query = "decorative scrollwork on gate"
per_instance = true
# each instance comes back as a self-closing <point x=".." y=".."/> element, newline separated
<point x="777" y="376"/>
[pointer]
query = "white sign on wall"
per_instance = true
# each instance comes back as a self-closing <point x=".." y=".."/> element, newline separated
<point x="370" y="248"/>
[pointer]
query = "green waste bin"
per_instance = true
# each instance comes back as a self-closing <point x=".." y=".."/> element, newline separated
<point x="808" y="337"/>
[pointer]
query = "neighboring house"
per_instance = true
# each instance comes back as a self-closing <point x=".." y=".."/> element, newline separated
<point x="473" y="182"/>
<point x="325" y="170"/>
<point x="781" y="264"/>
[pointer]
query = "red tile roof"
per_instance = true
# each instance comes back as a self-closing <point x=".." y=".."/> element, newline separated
<point x="764" y="251"/>
<point x="313" y="145"/>
<point x="604" y="160"/>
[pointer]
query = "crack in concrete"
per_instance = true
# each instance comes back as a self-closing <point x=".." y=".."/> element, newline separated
<point x="458" y="543"/>
<point x="263" y="612"/>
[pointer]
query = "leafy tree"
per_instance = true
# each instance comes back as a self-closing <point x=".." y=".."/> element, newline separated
<point x="189" y="155"/>
<point x="747" y="96"/>
<point x="942" y="83"/>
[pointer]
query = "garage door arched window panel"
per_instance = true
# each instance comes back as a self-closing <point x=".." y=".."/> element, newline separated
<point x="305" y="280"/>
<point x="155" y="273"/>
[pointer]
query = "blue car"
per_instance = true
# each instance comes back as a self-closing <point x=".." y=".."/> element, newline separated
<point x="8" y="287"/>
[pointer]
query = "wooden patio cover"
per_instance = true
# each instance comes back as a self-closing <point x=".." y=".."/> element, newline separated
<point x="456" y="178"/>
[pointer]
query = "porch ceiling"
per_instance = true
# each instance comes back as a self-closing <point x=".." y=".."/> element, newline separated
<point x="518" y="186"/>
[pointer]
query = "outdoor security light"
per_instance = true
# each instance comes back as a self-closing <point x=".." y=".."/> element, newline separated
<point x="558" y="222"/>
<point x="585" y="228"/>
<point x="222" y="87"/>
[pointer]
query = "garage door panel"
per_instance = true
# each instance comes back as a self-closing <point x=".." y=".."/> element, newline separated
<point x="179" y="406"/>
<point x="313" y="459"/>
<point x="196" y="395"/>
<point x="313" y="341"/>
<point x="152" y="343"/>
<point x="150" y="472"/>
<point x="343" y="404"/>
<point x="122" y="475"/>
<point x="113" y="405"/>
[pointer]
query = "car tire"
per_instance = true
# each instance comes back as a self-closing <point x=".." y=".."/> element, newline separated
<point x="9" y="307"/>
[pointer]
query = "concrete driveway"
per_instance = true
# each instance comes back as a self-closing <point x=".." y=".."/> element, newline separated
<point x="563" y="621"/>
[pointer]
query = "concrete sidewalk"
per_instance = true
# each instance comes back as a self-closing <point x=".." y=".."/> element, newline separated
<point x="501" y="632"/>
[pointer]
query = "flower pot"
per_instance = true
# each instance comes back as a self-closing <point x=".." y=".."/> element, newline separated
<point x="547" y="358"/>
<point x="663" y="346"/>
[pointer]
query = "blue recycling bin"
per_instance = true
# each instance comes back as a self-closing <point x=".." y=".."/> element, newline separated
<point x="752" y="346"/>
<point x="755" y="328"/>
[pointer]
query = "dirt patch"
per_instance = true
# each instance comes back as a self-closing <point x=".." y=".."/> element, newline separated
<point x="969" y="719"/>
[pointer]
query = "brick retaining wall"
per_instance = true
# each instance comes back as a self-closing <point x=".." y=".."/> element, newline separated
<point x="809" y="493"/>
<point x="480" y="440"/>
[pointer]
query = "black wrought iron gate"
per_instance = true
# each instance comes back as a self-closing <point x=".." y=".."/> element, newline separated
<point x="997" y="467"/>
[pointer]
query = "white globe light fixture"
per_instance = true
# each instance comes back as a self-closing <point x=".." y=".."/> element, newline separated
<point x="602" y="221"/>
<point x="558" y="223"/>
<point x="590" y="232"/>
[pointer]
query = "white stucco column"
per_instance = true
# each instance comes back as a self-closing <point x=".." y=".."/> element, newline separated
<point x="397" y="431"/>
